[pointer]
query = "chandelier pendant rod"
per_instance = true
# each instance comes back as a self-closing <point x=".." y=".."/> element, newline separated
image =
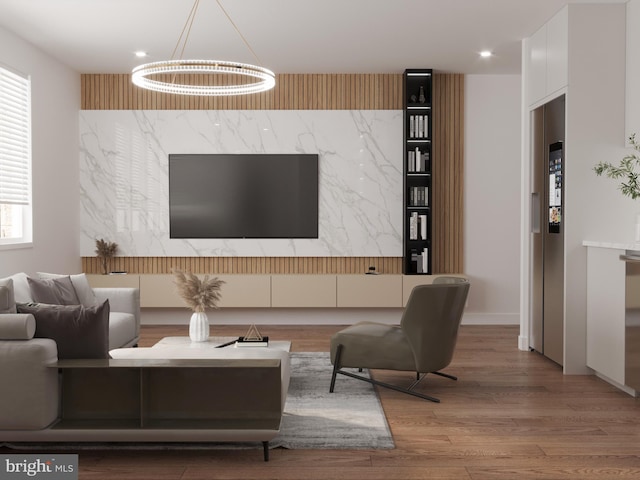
<point x="187" y="28"/>
<point x="239" y="33"/>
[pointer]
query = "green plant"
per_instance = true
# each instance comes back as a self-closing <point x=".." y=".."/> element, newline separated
<point x="626" y="170"/>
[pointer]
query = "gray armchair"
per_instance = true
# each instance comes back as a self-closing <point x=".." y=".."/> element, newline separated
<point x="423" y="343"/>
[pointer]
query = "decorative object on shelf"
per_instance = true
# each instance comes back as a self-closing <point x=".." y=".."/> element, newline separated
<point x="421" y="97"/>
<point x="105" y="251"/>
<point x="163" y="76"/>
<point x="199" y="294"/>
<point x="629" y="185"/>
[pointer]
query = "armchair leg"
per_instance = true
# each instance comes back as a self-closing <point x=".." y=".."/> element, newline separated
<point x="452" y="377"/>
<point x="336" y="367"/>
<point x="337" y="370"/>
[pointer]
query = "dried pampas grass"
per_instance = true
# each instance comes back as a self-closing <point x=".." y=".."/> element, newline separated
<point x="198" y="294"/>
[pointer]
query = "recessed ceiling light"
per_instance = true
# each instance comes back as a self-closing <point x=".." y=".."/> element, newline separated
<point x="486" y="54"/>
<point x="141" y="54"/>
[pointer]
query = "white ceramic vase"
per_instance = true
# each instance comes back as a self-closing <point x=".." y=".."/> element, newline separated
<point x="199" y="327"/>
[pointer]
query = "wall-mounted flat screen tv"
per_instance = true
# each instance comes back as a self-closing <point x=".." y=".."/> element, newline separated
<point x="243" y="195"/>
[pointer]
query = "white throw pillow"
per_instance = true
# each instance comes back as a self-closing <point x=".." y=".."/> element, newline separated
<point x="80" y="284"/>
<point x="7" y="301"/>
<point x="21" y="290"/>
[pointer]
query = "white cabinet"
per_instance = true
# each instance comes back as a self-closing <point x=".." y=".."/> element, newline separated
<point x="109" y="281"/>
<point x="313" y="291"/>
<point x="159" y="291"/>
<point x="369" y="291"/>
<point x="606" y="312"/>
<point x="537" y="66"/>
<point x="547" y="58"/>
<point x="557" y="51"/>
<point x="279" y="291"/>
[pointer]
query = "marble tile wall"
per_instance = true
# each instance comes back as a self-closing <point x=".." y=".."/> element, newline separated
<point x="124" y="177"/>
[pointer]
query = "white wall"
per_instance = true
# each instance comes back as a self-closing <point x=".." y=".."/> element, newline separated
<point x="491" y="197"/>
<point x="492" y="104"/>
<point x="56" y="193"/>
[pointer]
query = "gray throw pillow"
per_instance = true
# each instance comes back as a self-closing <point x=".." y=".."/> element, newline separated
<point x="54" y="291"/>
<point x="80" y="332"/>
<point x="81" y="285"/>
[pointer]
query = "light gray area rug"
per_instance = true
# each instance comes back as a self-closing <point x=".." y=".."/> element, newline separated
<point x="350" y="418"/>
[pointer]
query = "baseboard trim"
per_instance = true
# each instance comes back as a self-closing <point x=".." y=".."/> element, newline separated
<point x="523" y="342"/>
<point x="491" y="319"/>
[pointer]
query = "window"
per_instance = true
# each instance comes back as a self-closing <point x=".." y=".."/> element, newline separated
<point x="15" y="158"/>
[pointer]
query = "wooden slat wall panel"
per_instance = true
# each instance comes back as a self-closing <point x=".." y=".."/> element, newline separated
<point x="448" y="173"/>
<point x="307" y="92"/>
<point x="254" y="265"/>
<point x="322" y="91"/>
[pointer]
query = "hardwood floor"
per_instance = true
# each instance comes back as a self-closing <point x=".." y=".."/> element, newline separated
<point x="511" y="415"/>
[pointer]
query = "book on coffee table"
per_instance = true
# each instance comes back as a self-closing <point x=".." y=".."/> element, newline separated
<point x="248" y="342"/>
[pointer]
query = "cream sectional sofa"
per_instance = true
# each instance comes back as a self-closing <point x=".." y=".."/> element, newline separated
<point x="33" y="403"/>
<point x="139" y="395"/>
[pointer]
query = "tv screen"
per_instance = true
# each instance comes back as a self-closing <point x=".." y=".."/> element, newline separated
<point x="243" y="195"/>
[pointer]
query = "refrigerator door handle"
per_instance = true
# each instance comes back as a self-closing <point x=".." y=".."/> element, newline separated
<point x="535" y="212"/>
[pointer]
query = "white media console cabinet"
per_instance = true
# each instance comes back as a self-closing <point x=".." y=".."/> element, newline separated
<point x="280" y="291"/>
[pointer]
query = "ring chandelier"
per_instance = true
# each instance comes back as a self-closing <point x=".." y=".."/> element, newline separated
<point x="140" y="77"/>
<point x="143" y="75"/>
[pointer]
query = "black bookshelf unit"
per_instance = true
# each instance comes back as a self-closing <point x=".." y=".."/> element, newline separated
<point x="417" y="144"/>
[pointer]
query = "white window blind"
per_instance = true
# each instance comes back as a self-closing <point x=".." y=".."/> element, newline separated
<point x="15" y="138"/>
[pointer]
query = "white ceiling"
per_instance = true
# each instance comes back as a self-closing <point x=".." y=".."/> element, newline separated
<point x="289" y="36"/>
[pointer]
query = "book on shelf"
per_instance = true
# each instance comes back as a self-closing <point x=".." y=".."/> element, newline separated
<point x="411" y="161"/>
<point x="425" y="260"/>
<point x="422" y="221"/>
<point x="418" y="126"/>
<point x="413" y="226"/>
<point x="417" y="160"/>
<point x="243" y="342"/>
<point x="416" y="260"/>
<point x="419" y="196"/>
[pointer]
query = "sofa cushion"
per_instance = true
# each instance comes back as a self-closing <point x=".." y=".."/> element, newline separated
<point x="122" y="329"/>
<point x="7" y="301"/>
<point x="54" y="291"/>
<point x="81" y="285"/>
<point x="21" y="290"/>
<point x="17" y="326"/>
<point x="79" y="331"/>
<point x="30" y="396"/>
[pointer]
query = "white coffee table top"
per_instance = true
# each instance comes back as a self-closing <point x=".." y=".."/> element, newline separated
<point x="214" y="342"/>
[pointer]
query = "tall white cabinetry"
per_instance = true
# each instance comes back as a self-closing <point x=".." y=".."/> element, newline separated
<point x="579" y="53"/>
<point x="547" y="59"/>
